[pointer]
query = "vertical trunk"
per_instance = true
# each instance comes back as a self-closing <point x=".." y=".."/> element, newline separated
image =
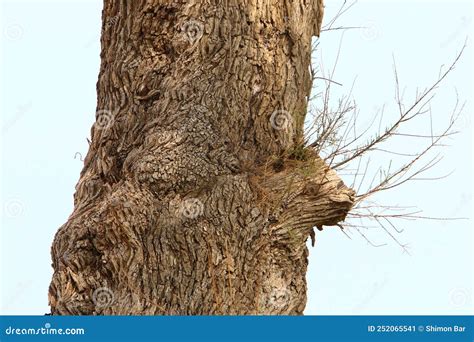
<point x="197" y="195"/>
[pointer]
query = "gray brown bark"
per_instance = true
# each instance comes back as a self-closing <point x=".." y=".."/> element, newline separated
<point x="197" y="195"/>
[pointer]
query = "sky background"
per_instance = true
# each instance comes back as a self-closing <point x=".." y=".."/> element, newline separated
<point x="50" y="63"/>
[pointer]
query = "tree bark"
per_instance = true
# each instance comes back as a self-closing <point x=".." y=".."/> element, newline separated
<point x="197" y="194"/>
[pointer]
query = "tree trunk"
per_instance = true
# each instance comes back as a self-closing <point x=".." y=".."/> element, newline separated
<point x="197" y="194"/>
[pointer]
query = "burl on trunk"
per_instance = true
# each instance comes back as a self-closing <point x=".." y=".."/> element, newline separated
<point x="197" y="195"/>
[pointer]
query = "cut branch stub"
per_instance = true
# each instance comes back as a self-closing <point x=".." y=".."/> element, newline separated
<point x="304" y="195"/>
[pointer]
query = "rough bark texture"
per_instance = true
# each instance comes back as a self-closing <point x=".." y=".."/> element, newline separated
<point x="197" y="195"/>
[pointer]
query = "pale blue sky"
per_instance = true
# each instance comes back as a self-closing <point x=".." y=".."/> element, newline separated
<point x="50" y="63"/>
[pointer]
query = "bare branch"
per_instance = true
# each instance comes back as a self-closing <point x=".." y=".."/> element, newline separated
<point x="335" y="137"/>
